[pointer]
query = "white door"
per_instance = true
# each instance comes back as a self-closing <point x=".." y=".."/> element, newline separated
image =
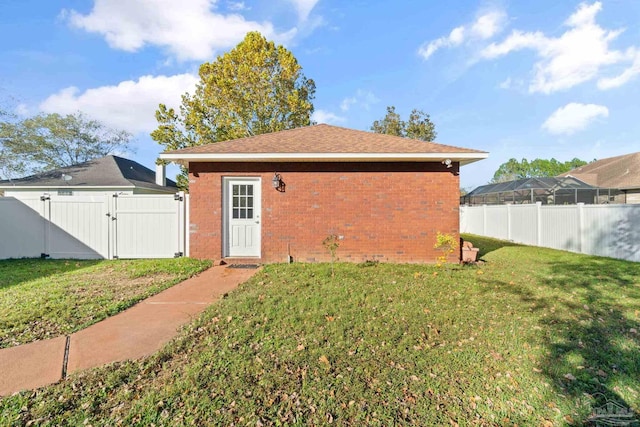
<point x="243" y="217"/>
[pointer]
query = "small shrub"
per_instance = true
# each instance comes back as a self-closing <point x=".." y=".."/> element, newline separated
<point x="332" y="243"/>
<point x="448" y="245"/>
<point x="370" y="263"/>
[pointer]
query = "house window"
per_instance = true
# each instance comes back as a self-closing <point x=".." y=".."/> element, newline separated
<point x="65" y="193"/>
<point x="242" y="199"/>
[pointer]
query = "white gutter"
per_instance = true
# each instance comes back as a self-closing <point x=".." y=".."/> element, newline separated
<point x="463" y="158"/>
<point x="70" y="187"/>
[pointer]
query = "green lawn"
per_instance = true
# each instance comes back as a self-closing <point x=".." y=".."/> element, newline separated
<point x="47" y="298"/>
<point x="531" y="337"/>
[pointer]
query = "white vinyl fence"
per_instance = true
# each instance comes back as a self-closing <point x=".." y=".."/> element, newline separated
<point x="605" y="230"/>
<point x="93" y="227"/>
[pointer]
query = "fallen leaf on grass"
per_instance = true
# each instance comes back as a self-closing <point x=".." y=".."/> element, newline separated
<point x="324" y="360"/>
<point x="569" y="377"/>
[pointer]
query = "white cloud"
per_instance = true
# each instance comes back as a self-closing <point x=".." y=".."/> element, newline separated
<point x="304" y="8"/>
<point x="455" y="37"/>
<point x="22" y="110"/>
<point x="506" y="84"/>
<point x="576" y="56"/>
<point x="237" y="6"/>
<point x="489" y="24"/>
<point x="323" y="116"/>
<point x="484" y="27"/>
<point x="624" y="77"/>
<point x="516" y="41"/>
<point x="130" y="105"/>
<point x="362" y="98"/>
<point x="189" y="30"/>
<point x="573" y="117"/>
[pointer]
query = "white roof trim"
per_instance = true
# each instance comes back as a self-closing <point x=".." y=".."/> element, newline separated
<point x="70" y="187"/>
<point x="463" y="158"/>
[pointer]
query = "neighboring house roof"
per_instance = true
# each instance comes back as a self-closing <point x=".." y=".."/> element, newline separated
<point x="621" y="172"/>
<point x="324" y="143"/>
<point x="109" y="171"/>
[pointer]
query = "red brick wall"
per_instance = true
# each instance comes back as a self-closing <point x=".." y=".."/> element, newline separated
<point x="385" y="211"/>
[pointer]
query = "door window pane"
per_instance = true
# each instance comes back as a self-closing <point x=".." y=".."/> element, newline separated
<point x="242" y="201"/>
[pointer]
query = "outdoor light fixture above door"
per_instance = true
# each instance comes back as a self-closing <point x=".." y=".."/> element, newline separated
<point x="276" y="180"/>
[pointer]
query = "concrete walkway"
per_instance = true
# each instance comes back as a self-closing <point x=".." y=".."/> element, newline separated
<point x="139" y="331"/>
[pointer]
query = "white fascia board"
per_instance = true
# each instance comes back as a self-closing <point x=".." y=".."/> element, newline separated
<point x="463" y="158"/>
<point x="65" y="187"/>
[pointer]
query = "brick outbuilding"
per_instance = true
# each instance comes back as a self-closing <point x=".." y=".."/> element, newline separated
<point x="277" y="196"/>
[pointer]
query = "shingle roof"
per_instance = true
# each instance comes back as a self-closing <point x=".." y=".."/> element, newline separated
<point x="322" y="139"/>
<point x="109" y="171"/>
<point x="614" y="172"/>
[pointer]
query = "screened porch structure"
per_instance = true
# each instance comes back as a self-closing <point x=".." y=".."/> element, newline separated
<point x="548" y="191"/>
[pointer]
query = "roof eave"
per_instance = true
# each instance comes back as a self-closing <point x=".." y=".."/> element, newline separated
<point x="70" y="187"/>
<point x="462" y="158"/>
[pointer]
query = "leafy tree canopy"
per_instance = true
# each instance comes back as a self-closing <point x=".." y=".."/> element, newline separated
<point x="255" y="88"/>
<point x="514" y="169"/>
<point x="49" y="141"/>
<point x="419" y="126"/>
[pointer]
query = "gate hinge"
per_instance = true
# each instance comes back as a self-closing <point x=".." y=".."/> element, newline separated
<point x="178" y="254"/>
<point x="177" y="197"/>
<point x="44" y="256"/>
<point x="45" y="197"/>
<point x="116" y="257"/>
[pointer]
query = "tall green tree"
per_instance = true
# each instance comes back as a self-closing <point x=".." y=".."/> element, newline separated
<point x="514" y="169"/>
<point x="10" y="163"/>
<point x="255" y="88"/>
<point x="419" y="126"/>
<point x="49" y="141"/>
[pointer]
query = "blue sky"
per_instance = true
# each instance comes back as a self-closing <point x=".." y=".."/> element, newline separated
<point x="517" y="79"/>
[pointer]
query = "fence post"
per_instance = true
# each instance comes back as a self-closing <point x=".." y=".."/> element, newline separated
<point x="46" y="223"/>
<point x="509" y="222"/>
<point x="187" y="227"/>
<point x="539" y="223"/>
<point x="181" y="223"/>
<point x="580" y="212"/>
<point x="484" y="220"/>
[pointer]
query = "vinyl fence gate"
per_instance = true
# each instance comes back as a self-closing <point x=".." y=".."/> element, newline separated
<point x="93" y="227"/>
